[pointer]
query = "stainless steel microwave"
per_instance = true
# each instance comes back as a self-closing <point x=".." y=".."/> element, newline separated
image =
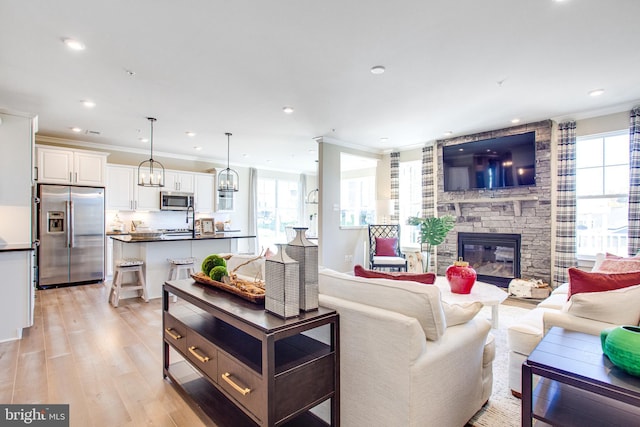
<point x="175" y="201"/>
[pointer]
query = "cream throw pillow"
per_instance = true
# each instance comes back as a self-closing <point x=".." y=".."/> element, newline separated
<point x="620" y="306"/>
<point x="457" y="314"/>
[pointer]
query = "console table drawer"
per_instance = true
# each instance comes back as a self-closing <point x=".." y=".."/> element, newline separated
<point x="202" y="354"/>
<point x="175" y="332"/>
<point x="242" y="384"/>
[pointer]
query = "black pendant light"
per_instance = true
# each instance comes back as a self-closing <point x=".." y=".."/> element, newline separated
<point x="228" y="178"/>
<point x="151" y="172"/>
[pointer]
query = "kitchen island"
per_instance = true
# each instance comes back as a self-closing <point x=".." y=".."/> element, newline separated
<point x="155" y="251"/>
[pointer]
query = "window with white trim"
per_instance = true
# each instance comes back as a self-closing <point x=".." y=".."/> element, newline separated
<point x="278" y="208"/>
<point x="602" y="193"/>
<point x="357" y="190"/>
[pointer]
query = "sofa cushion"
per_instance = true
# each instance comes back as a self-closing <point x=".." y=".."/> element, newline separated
<point x="584" y="281"/>
<point x="409" y="298"/>
<point x="386" y="246"/>
<point x="525" y="335"/>
<point x="619" y="306"/>
<point x="426" y="278"/>
<point x="622" y="265"/>
<point x="555" y="301"/>
<point x="457" y="314"/>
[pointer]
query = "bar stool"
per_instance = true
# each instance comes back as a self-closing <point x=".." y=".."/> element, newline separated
<point x="178" y="265"/>
<point x="130" y="265"/>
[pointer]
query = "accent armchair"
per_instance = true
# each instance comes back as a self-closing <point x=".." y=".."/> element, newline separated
<point x="384" y="247"/>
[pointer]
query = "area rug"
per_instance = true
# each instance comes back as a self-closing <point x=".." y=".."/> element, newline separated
<point x="503" y="410"/>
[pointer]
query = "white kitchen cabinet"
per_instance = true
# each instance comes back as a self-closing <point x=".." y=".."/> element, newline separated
<point x="16" y="304"/>
<point x="179" y="181"/>
<point x="204" y="192"/>
<point x="76" y="167"/>
<point x="124" y="193"/>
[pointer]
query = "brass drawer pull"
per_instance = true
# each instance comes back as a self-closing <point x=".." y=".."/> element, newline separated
<point x="196" y="352"/>
<point x="172" y="333"/>
<point x="236" y="387"/>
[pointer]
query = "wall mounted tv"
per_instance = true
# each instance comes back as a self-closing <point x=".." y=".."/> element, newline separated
<point x="490" y="164"/>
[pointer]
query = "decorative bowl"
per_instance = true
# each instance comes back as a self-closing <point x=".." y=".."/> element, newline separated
<point x="622" y="346"/>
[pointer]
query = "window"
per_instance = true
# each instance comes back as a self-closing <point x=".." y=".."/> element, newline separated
<point x="278" y="208"/>
<point x="357" y="190"/>
<point x="602" y="188"/>
<point x="410" y="201"/>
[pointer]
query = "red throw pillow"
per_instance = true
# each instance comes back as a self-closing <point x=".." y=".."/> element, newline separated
<point x="585" y="281"/>
<point x="426" y="278"/>
<point x="386" y="246"/>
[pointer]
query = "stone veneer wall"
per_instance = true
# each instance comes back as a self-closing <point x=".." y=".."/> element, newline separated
<point x="493" y="216"/>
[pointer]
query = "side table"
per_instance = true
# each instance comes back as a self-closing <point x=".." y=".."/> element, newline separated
<point x="578" y="385"/>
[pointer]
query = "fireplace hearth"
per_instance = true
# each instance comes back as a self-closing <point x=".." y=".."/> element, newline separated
<point x="494" y="256"/>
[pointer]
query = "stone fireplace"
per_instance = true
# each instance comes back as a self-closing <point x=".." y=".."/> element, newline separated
<point x="494" y="256"/>
<point x="522" y="211"/>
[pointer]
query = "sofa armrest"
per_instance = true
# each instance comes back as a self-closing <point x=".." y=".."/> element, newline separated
<point x="579" y="324"/>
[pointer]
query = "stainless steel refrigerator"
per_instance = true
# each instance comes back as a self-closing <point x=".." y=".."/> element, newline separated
<point x="70" y="235"/>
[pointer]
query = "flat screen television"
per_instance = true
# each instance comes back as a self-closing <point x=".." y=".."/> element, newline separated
<point x="508" y="161"/>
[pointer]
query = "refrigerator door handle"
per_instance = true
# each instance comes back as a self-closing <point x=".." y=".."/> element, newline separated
<point x="72" y="231"/>
<point x="66" y="219"/>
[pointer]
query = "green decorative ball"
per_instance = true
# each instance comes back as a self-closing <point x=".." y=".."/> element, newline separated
<point x="212" y="261"/>
<point x="218" y="272"/>
<point x="622" y="346"/>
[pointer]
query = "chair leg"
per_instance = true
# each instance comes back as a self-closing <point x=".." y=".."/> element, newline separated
<point x="143" y="284"/>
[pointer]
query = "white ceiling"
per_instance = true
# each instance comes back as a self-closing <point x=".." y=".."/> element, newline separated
<point x="212" y="67"/>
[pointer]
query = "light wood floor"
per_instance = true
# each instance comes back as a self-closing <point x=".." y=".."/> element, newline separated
<point x="105" y="362"/>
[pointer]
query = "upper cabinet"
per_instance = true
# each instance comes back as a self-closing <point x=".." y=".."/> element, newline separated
<point x="123" y="192"/>
<point x="204" y="192"/>
<point x="179" y="181"/>
<point x="66" y="166"/>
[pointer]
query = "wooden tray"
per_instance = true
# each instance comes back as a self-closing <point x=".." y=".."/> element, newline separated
<point x="202" y="278"/>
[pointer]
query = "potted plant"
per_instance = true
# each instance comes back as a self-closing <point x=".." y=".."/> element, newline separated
<point x="433" y="231"/>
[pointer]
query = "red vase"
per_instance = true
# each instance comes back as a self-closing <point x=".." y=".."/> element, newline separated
<point x="461" y="277"/>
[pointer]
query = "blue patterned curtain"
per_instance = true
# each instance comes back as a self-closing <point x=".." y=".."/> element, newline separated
<point x="566" y="203"/>
<point x="395" y="186"/>
<point x="634" y="182"/>
<point x="428" y="185"/>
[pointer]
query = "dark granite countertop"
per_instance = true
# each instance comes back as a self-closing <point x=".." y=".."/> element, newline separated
<point x="181" y="237"/>
<point x="15" y="247"/>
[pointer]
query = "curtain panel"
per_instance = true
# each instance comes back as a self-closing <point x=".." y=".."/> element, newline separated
<point x="428" y="186"/>
<point x="634" y="182"/>
<point x="565" y="255"/>
<point x="394" y="167"/>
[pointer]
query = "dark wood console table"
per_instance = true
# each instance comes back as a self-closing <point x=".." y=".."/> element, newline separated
<point x="241" y="366"/>
<point x="578" y="385"/>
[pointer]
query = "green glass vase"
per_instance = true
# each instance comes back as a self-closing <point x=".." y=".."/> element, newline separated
<point x="622" y="346"/>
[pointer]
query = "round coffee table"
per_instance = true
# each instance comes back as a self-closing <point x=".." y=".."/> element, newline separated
<point x="486" y="293"/>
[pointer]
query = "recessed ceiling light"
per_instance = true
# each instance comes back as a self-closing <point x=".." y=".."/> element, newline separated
<point x="268" y="161"/>
<point x="73" y="44"/>
<point x="88" y="104"/>
<point x="245" y="155"/>
<point x="448" y="133"/>
<point x="143" y="140"/>
<point x="189" y="133"/>
<point x="287" y="110"/>
<point x="596" y="92"/>
<point x="76" y="129"/>
<point x="378" y="69"/>
<point x="384" y="139"/>
<point x="197" y="148"/>
<point x="516" y="120"/>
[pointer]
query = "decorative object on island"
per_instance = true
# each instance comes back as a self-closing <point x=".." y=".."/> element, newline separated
<point x="306" y="253"/>
<point x="151" y="172"/>
<point x="282" y="285"/>
<point x="207" y="226"/>
<point x="433" y="231"/>
<point x="461" y="277"/>
<point x="228" y="178"/>
<point x="312" y="197"/>
<point x="622" y="346"/>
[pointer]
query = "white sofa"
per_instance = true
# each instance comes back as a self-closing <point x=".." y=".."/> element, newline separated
<point x="589" y="313"/>
<point x="406" y="358"/>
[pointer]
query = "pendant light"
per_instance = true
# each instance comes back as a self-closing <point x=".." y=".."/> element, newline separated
<point x="228" y="178"/>
<point x="151" y="172"/>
